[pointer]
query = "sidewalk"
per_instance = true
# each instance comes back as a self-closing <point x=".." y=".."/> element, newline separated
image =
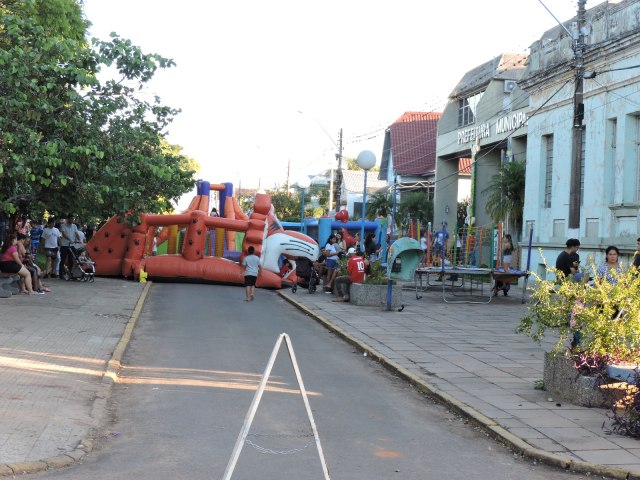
<point x="54" y="352"/>
<point x="58" y="353"/>
<point x="469" y="357"/>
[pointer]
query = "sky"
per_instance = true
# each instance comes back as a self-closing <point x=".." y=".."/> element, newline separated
<point x="265" y="87"/>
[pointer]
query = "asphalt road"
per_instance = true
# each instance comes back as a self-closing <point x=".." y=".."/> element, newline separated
<point x="190" y="372"/>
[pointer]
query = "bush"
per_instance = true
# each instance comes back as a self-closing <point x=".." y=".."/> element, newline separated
<point x="606" y="315"/>
<point x="377" y="274"/>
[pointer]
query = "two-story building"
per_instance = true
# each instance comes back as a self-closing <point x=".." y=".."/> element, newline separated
<point x="486" y="114"/>
<point x="609" y="178"/>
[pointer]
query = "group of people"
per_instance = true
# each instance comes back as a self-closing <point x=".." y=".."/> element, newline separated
<point x="335" y="249"/>
<point x="326" y="268"/>
<point x="16" y="258"/>
<point x="21" y="245"/>
<point x="568" y="263"/>
<point x="59" y="238"/>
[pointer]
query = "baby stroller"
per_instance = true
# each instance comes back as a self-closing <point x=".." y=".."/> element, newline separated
<point x="307" y="275"/>
<point x="82" y="267"/>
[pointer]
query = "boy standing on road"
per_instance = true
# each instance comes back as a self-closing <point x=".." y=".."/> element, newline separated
<point x="251" y="264"/>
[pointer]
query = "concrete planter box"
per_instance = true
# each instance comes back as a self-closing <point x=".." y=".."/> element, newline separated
<point x="562" y="380"/>
<point x="9" y="285"/>
<point x="375" y="295"/>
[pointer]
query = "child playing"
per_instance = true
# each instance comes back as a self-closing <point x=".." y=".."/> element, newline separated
<point x="251" y="264"/>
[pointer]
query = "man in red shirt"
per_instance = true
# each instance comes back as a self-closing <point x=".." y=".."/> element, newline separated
<point x="355" y="274"/>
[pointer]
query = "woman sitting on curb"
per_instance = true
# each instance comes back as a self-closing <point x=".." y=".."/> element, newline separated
<point x="10" y="263"/>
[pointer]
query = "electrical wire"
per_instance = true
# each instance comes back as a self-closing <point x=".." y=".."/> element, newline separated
<point x="453" y="177"/>
<point x="498" y="113"/>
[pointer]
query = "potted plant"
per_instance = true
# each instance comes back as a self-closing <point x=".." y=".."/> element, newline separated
<point x="374" y="290"/>
<point x="596" y="325"/>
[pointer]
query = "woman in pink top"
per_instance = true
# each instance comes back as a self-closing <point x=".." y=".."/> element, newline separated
<point x="10" y="263"/>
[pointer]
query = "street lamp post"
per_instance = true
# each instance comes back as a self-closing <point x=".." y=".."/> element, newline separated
<point x="366" y="160"/>
<point x="303" y="184"/>
<point x="393" y="221"/>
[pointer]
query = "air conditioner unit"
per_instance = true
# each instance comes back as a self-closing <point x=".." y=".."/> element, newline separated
<point x="509" y="85"/>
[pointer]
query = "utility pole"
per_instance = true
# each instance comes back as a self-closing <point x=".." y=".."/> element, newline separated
<point x="575" y="197"/>
<point x="288" y="174"/>
<point x="338" y="183"/>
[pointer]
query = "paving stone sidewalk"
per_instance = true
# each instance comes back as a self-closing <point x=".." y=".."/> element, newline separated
<point x="54" y="350"/>
<point x="469" y="355"/>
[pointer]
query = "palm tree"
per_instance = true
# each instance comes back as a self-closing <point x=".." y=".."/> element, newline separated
<point x="415" y="205"/>
<point x="505" y="195"/>
<point x="379" y="204"/>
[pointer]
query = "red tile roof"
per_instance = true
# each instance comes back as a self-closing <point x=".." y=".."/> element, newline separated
<point x="413" y="143"/>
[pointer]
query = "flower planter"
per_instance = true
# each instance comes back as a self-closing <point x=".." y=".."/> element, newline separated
<point x="563" y="381"/>
<point x="623" y="373"/>
<point x="375" y="295"/>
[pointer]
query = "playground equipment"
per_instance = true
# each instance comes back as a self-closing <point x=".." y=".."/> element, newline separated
<point x="470" y="266"/>
<point x="404" y="256"/>
<point x="208" y="248"/>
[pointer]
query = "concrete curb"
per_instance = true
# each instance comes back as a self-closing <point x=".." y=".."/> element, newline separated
<point x="98" y="409"/>
<point x="499" y="433"/>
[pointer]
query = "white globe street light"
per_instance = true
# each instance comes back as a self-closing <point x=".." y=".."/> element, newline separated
<point x="303" y="184"/>
<point x="366" y="160"/>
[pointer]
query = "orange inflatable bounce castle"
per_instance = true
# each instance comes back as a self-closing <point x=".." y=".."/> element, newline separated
<point x="121" y="250"/>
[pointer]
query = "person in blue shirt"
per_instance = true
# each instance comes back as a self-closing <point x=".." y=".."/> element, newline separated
<point x="36" y="234"/>
<point x="440" y="239"/>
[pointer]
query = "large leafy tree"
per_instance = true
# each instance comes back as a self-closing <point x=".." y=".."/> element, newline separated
<point x="287" y="206"/>
<point x="70" y="141"/>
<point x="505" y="195"/>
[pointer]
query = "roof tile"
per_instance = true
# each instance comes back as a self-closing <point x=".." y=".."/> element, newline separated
<point x="413" y="143"/>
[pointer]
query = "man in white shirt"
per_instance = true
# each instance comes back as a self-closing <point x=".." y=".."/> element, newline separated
<point x="69" y="232"/>
<point x="51" y="236"/>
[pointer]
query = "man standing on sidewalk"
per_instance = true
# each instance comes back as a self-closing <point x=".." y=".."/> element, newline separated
<point x="69" y="232"/>
<point x="355" y="274"/>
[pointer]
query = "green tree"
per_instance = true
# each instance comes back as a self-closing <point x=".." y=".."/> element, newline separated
<point x="415" y="206"/>
<point x="58" y="18"/>
<point x="288" y="206"/>
<point x="318" y="194"/>
<point x="246" y="202"/>
<point x="505" y="195"/>
<point x="379" y="204"/>
<point x="351" y="163"/>
<point x="69" y="141"/>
